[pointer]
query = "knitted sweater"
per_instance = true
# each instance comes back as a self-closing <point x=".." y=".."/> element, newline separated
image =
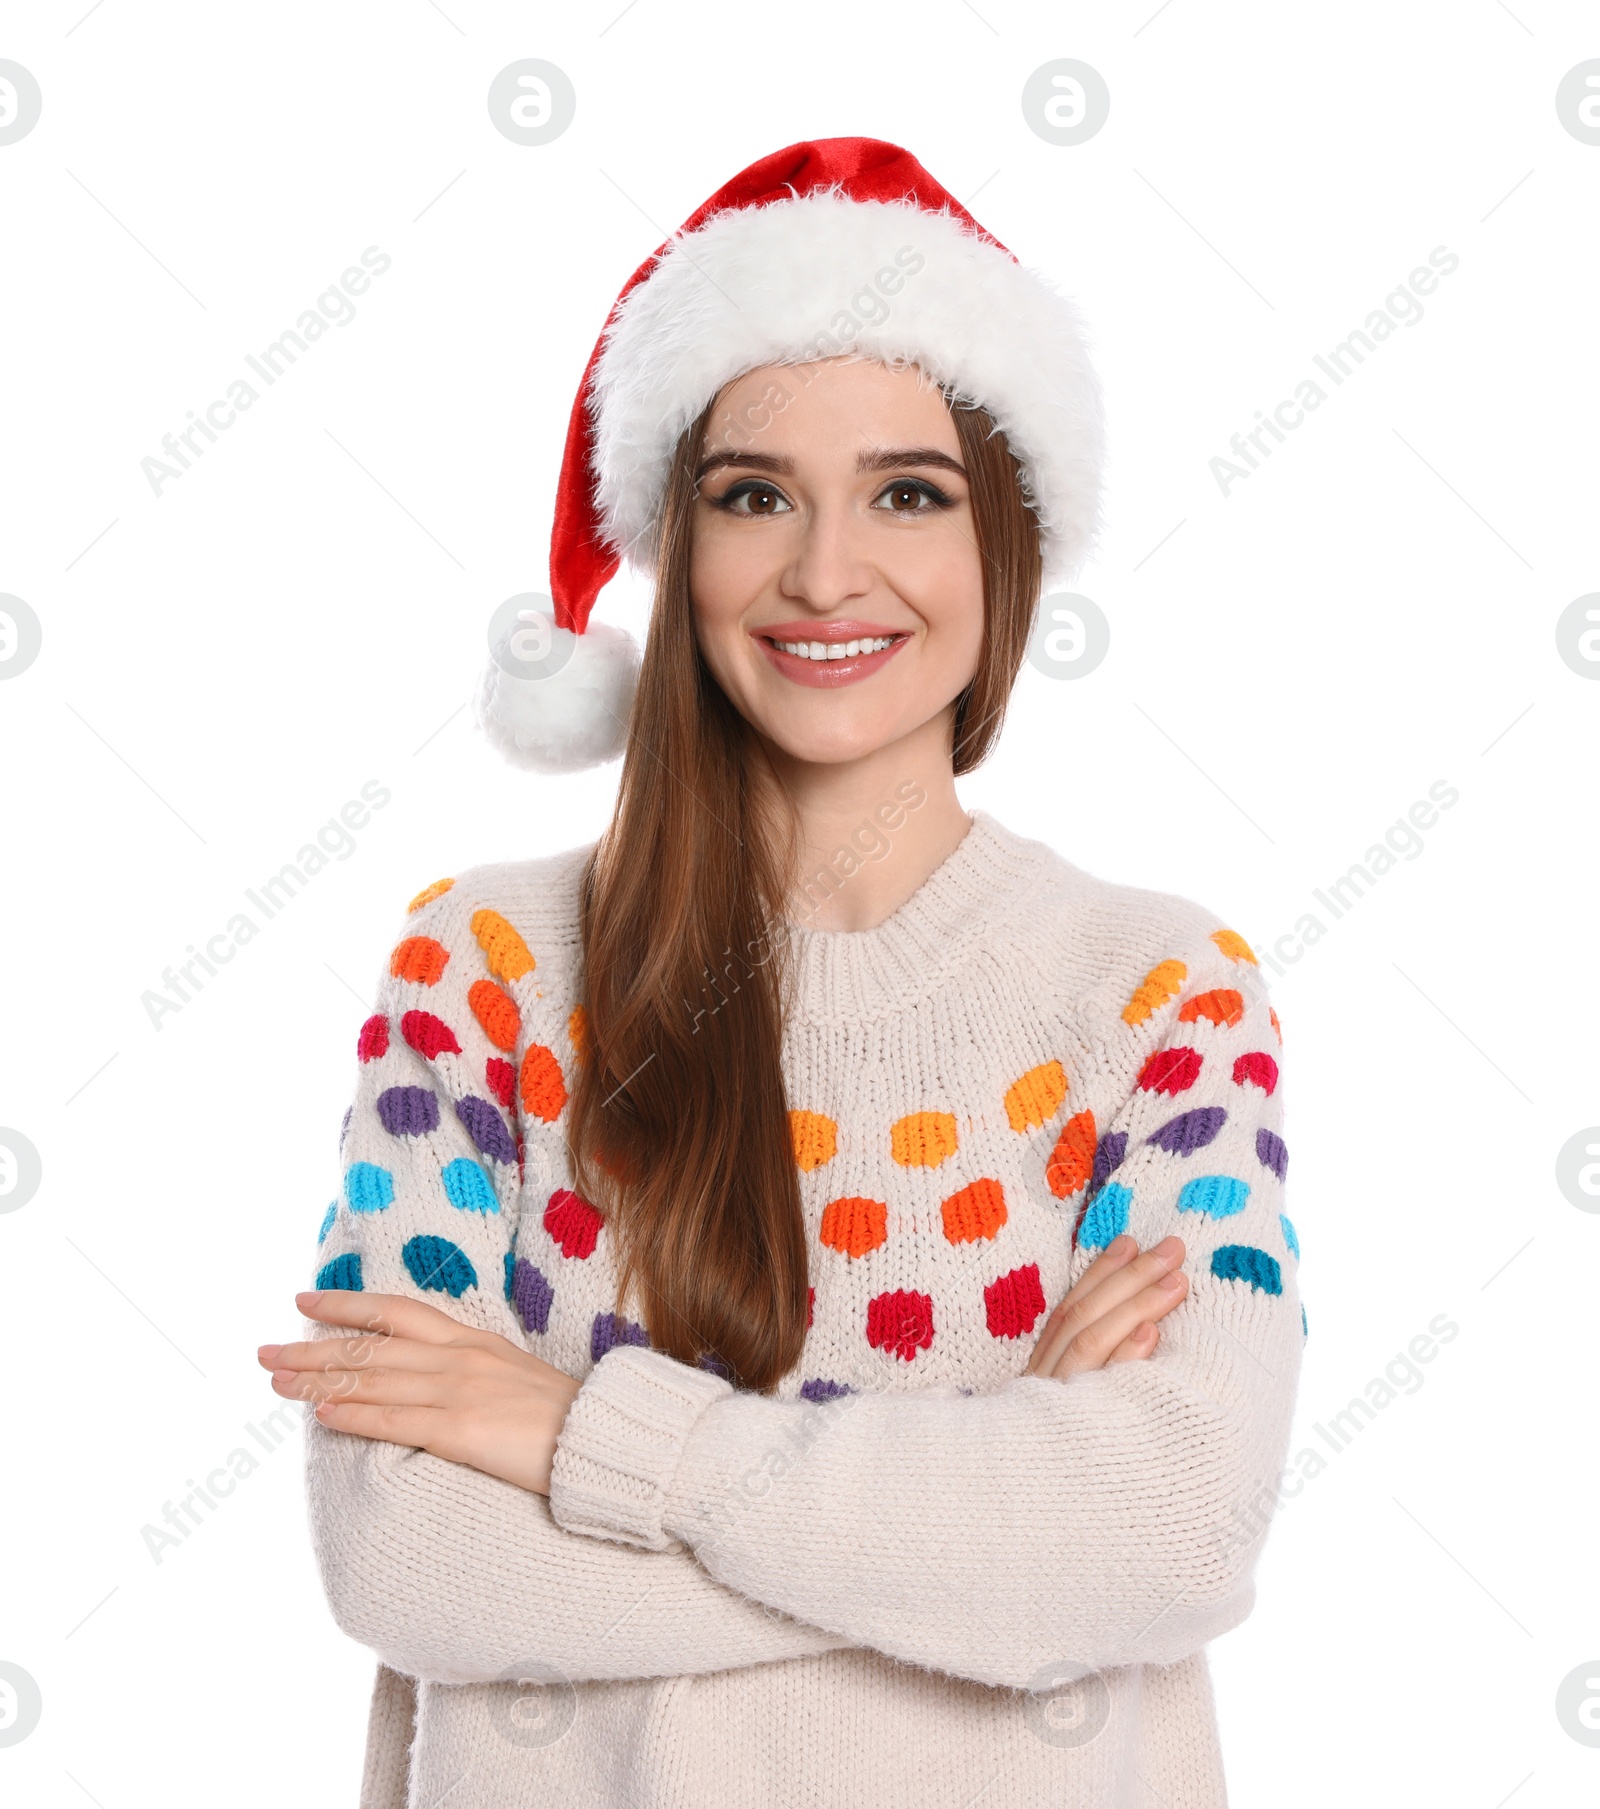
<point x="913" y="1575"/>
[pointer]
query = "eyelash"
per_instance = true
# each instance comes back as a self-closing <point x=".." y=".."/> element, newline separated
<point x="937" y="498"/>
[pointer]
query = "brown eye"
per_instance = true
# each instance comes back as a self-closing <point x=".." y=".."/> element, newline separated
<point x="754" y="498"/>
<point x="905" y="496"/>
<point x="911" y="496"/>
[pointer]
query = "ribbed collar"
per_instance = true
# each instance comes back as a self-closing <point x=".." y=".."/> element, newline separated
<point x="845" y="976"/>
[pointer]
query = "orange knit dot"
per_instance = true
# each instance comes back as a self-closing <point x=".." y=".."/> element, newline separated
<point x="544" y="1091"/>
<point x="1036" y="1096"/>
<point x="505" y="951"/>
<point x="1071" y="1163"/>
<point x="1234" y="946"/>
<point x="853" y="1226"/>
<point x="1275" y="1024"/>
<point x="420" y="959"/>
<point x="578" y="1032"/>
<point x="429" y="893"/>
<point x="922" y="1139"/>
<point x="496" y="1010"/>
<point x="1153" y="991"/>
<point x="1224" y="1006"/>
<point x="978" y="1210"/>
<point x="815" y="1139"/>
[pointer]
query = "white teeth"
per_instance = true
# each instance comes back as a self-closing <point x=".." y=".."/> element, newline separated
<point x="834" y="650"/>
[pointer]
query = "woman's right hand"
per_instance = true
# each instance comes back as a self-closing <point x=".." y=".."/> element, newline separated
<point x="1108" y="1315"/>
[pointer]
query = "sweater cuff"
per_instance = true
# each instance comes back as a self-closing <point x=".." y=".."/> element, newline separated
<point x="619" y="1448"/>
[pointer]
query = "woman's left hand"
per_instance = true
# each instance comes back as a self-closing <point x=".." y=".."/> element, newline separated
<point x="417" y="1377"/>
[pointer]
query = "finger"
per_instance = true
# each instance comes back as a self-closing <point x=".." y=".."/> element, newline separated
<point x="1075" y="1315"/>
<point x="350" y="1353"/>
<point x="1091" y="1347"/>
<point x="415" y="1426"/>
<point x="379" y="1385"/>
<point x="1139" y="1343"/>
<point x="1120" y="1251"/>
<point x="393" y="1313"/>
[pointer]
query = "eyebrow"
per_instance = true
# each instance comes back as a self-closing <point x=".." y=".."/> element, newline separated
<point x="884" y="458"/>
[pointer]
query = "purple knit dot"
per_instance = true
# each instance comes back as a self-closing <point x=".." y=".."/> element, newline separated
<point x="409" y="1111"/>
<point x="1273" y="1152"/>
<point x="487" y="1128"/>
<point x="1189" y="1131"/>
<point x="531" y="1296"/>
<point x="344" y="1125"/>
<point x="1108" y="1154"/>
<point x="708" y="1359"/>
<point x="610" y="1330"/>
<point x="819" y="1388"/>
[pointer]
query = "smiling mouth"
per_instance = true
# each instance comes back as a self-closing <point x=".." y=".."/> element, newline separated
<point x="834" y="650"/>
<point x="831" y="659"/>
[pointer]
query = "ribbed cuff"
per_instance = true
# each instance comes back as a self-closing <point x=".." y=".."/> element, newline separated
<point x="620" y="1446"/>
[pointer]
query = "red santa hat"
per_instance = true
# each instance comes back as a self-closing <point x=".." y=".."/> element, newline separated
<point x="836" y="247"/>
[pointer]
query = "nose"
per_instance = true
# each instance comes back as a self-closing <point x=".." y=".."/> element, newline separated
<point x="828" y="565"/>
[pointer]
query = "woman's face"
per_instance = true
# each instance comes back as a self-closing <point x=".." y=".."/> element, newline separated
<point x="834" y="568"/>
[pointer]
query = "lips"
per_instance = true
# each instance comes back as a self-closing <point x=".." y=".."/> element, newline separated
<point x="825" y="670"/>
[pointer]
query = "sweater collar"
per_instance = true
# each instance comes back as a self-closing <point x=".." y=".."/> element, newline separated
<point x="847" y="976"/>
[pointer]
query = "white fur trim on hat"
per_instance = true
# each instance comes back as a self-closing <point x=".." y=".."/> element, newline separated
<point x="794" y="281"/>
<point x="577" y="717"/>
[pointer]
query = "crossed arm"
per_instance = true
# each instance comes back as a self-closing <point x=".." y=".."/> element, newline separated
<point x="886" y="1515"/>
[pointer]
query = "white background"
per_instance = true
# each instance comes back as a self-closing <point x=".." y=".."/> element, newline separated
<point x="224" y="665"/>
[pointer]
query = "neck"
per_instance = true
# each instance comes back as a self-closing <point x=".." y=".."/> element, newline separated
<point x="871" y="830"/>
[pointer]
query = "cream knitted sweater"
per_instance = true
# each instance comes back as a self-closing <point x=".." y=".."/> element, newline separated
<point x="914" y="1576"/>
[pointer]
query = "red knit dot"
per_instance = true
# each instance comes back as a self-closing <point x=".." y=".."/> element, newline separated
<point x="1014" y="1302"/>
<point x="502" y="1080"/>
<point x="374" y="1039"/>
<point x="811" y="1305"/>
<point x="900" y="1324"/>
<point x="428" y="1035"/>
<point x="573" y="1223"/>
<point x="1257" y="1067"/>
<point x="1170" y="1071"/>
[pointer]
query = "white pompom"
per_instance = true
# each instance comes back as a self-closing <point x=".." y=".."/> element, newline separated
<point x="575" y="718"/>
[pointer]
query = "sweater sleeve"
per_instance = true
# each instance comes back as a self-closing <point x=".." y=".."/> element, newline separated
<point x="447" y="1573"/>
<point x="1111" y="1519"/>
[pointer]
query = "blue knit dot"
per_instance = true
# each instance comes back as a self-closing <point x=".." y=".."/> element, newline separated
<point x="367" y="1187"/>
<point x="466" y="1186"/>
<point x="343" y="1272"/>
<point x="1244" y="1262"/>
<point x="1217" y="1196"/>
<point x="327" y="1220"/>
<point x="1289" y="1237"/>
<point x="1107" y="1217"/>
<point x="1305" y="1330"/>
<point x="438" y="1266"/>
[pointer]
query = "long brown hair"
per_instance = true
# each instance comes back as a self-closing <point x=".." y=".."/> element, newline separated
<point x="679" y="1132"/>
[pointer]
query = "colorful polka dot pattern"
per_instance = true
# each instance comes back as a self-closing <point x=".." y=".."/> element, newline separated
<point x="472" y="1029"/>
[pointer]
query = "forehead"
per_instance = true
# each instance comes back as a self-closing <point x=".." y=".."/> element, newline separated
<point x="828" y="404"/>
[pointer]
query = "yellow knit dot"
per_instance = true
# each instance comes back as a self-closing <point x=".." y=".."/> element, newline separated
<point x="1234" y="946"/>
<point x="505" y="951"/>
<point x="1036" y="1096"/>
<point x="1153" y="991"/>
<point x="815" y="1139"/>
<point x="923" y="1139"/>
<point x="429" y="893"/>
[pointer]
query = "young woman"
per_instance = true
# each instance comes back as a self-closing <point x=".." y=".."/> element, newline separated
<point x="692" y="1422"/>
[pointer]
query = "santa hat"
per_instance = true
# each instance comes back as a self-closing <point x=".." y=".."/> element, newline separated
<point x="840" y="246"/>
